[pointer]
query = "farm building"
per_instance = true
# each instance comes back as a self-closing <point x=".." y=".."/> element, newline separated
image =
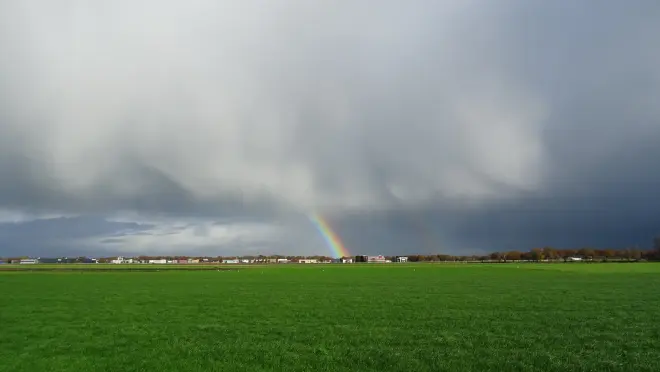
<point x="50" y="260"/>
<point x="193" y="260"/>
<point x="371" y="259"/>
<point x="401" y="259"/>
<point x="347" y="260"/>
<point x="282" y="260"/>
<point x="308" y="260"/>
<point x="161" y="261"/>
<point x="29" y="261"/>
<point x="122" y="260"/>
<point x="575" y="259"/>
<point x="233" y="261"/>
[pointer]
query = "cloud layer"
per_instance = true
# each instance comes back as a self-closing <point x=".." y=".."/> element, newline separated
<point x="254" y="114"/>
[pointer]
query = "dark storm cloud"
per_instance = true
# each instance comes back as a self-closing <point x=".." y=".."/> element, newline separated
<point x="453" y="126"/>
<point x="52" y="237"/>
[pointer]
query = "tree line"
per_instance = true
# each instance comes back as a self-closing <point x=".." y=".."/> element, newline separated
<point x="554" y="254"/>
<point x="547" y="253"/>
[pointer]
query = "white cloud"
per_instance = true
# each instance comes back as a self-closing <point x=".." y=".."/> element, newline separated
<point x="180" y="239"/>
<point x="19" y="216"/>
<point x="223" y="97"/>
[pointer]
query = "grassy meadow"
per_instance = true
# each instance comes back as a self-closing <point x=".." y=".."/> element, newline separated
<point x="402" y="317"/>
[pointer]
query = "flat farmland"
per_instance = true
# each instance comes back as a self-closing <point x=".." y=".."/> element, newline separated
<point x="406" y="317"/>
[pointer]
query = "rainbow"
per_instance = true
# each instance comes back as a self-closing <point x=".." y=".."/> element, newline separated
<point x="331" y="238"/>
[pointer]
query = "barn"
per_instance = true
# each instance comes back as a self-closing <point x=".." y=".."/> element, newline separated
<point x="371" y="259"/>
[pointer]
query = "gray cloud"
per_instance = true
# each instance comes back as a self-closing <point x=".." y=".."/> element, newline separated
<point x="464" y="124"/>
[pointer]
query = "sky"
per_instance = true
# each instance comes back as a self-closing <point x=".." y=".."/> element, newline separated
<point x="217" y="127"/>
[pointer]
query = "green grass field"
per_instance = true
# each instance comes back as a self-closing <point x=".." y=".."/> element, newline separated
<point x="424" y="317"/>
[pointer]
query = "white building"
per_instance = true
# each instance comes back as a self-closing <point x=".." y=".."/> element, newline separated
<point x="122" y="260"/>
<point x="308" y="260"/>
<point x="282" y="260"/>
<point x="376" y="259"/>
<point x="231" y="261"/>
<point x="193" y="260"/>
<point x="161" y="261"/>
<point x="575" y="258"/>
<point x="29" y="261"/>
<point x="346" y="260"/>
<point x="402" y="259"/>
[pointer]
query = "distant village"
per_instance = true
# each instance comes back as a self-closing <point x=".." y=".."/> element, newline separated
<point x="546" y="254"/>
<point x="182" y="260"/>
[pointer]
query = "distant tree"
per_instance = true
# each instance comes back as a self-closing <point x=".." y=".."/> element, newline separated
<point x="496" y="256"/>
<point x="621" y="254"/>
<point x="537" y="254"/>
<point x="587" y="252"/>
<point x="549" y="253"/>
<point x="635" y="254"/>
<point x="655" y="253"/>
<point x="648" y="255"/>
<point x="566" y="253"/>
<point x="513" y="255"/>
<point x="608" y="253"/>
